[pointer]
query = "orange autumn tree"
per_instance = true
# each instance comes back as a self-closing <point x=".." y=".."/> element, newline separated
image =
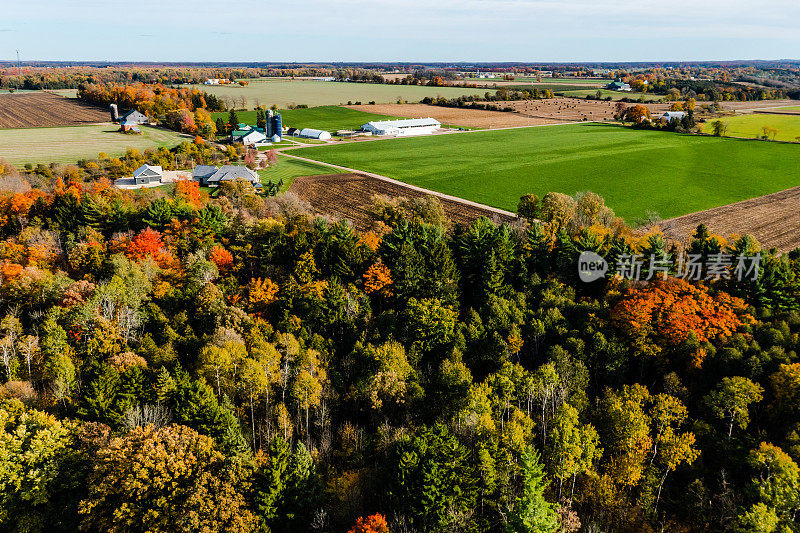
<point x="371" y="524"/>
<point x="148" y="243"/>
<point x="221" y="257"/>
<point x="377" y="279"/>
<point x="189" y="191"/>
<point x="667" y="312"/>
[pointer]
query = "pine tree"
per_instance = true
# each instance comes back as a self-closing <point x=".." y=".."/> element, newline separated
<point x="269" y="481"/>
<point x="233" y="120"/>
<point x="165" y="386"/>
<point x="301" y="494"/>
<point x="531" y="512"/>
<point x="261" y="119"/>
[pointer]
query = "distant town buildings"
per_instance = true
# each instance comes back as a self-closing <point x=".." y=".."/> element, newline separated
<point x="216" y="81"/>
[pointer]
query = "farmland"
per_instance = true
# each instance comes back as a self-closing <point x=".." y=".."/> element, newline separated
<point x="350" y="196"/>
<point x="772" y="219"/>
<point x="749" y="126"/>
<point x="318" y="93"/>
<point x="69" y="144"/>
<point x="288" y="169"/>
<point x="454" y="116"/>
<point x="755" y="105"/>
<point x="634" y="170"/>
<point x="570" y="109"/>
<point x="45" y="109"/>
<point x="329" y="118"/>
<point x="614" y="95"/>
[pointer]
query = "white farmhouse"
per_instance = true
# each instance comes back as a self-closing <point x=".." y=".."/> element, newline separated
<point x="403" y="127"/>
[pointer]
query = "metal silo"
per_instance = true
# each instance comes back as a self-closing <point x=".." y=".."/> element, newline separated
<point x="277" y="125"/>
<point x="114" y="112"/>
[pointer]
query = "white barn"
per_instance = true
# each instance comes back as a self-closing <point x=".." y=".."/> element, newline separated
<point x="669" y="115"/>
<point x="403" y="127"/>
<point x="309" y="133"/>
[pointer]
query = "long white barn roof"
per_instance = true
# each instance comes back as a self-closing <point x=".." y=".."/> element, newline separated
<point x="404" y="123"/>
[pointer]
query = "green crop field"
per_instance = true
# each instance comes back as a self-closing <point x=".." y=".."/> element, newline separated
<point x="329" y="117"/>
<point x="634" y="170"/>
<point x="615" y="95"/>
<point x="69" y="144"/>
<point x="317" y="93"/>
<point x="288" y="169"/>
<point x="749" y="126"/>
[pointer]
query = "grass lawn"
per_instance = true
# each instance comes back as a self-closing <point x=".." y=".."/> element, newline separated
<point x="749" y="126"/>
<point x="634" y="170"/>
<point x="71" y="143"/>
<point x="288" y="169"/>
<point x="329" y="118"/>
<point x="615" y="95"/>
<point x="318" y="93"/>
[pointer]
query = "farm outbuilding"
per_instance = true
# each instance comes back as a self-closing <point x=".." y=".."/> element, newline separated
<point x="618" y="86"/>
<point x="308" y="133"/>
<point x="133" y="117"/>
<point x="669" y="115"/>
<point x="249" y="136"/>
<point x="403" y="127"/>
<point x="147" y="174"/>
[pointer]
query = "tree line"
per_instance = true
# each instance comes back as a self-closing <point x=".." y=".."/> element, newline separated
<point x="180" y="363"/>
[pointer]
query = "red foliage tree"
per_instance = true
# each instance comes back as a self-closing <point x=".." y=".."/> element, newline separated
<point x="371" y="524"/>
<point x="667" y="312"/>
<point x="221" y="257"/>
<point x="148" y="243"/>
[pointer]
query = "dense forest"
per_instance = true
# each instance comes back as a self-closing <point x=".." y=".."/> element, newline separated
<point x="172" y="362"/>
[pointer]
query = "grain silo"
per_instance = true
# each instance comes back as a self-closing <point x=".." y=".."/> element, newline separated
<point x="277" y="125"/>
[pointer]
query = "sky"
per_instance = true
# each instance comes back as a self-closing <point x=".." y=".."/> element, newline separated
<point x="399" y="30"/>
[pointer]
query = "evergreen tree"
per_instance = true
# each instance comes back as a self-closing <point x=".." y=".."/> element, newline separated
<point x="195" y="405"/>
<point x="434" y="482"/>
<point x="269" y="481"/>
<point x="233" y="120"/>
<point x="301" y="495"/>
<point x="261" y="119"/>
<point x="531" y="512"/>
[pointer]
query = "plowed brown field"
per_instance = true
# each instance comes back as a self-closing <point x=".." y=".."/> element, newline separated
<point x="748" y="107"/>
<point x="527" y="112"/>
<point x="571" y="109"/>
<point x="45" y="109"/>
<point x="774" y="220"/>
<point x="350" y="195"/>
